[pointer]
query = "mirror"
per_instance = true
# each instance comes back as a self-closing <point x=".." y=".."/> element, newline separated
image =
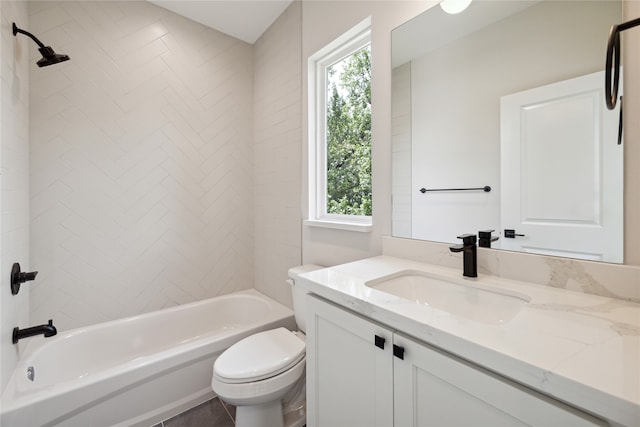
<point x="508" y="95"/>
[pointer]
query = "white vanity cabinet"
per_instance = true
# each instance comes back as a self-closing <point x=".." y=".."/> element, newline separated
<point x="360" y="373"/>
<point x="434" y="388"/>
<point x="349" y="377"/>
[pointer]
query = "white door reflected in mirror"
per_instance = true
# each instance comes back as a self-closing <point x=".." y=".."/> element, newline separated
<point x="561" y="171"/>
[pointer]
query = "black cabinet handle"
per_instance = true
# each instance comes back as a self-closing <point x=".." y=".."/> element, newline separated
<point x="379" y="341"/>
<point x="398" y="352"/>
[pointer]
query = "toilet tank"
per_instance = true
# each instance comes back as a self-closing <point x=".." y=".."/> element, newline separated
<point x="298" y="294"/>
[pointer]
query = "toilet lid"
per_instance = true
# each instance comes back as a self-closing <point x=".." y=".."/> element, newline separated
<point x="259" y="356"/>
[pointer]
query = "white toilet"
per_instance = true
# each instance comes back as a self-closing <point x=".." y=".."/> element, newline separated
<point x="258" y="372"/>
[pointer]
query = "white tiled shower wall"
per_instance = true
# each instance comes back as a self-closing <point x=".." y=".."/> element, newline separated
<point x="141" y="162"/>
<point x="277" y="153"/>
<point x="14" y="178"/>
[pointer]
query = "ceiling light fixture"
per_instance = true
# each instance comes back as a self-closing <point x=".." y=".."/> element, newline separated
<point x="454" y="6"/>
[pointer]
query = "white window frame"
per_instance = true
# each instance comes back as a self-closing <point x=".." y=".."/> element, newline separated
<point x="344" y="46"/>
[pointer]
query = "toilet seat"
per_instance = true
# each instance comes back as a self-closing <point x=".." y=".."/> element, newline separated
<point x="260" y="356"/>
<point x="259" y="392"/>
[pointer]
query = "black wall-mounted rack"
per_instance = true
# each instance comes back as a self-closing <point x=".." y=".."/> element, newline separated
<point x="486" y="189"/>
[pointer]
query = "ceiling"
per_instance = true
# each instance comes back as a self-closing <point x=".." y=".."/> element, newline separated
<point x="243" y="19"/>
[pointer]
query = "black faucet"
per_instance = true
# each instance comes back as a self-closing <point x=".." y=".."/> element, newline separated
<point x="470" y="254"/>
<point x="47" y="330"/>
<point x="485" y="238"/>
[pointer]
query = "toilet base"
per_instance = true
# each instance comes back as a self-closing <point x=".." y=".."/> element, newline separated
<point x="266" y="415"/>
<point x="269" y="415"/>
<point x="295" y="419"/>
<point x="290" y="411"/>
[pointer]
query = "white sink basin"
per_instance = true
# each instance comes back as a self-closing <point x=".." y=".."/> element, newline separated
<point x="471" y="300"/>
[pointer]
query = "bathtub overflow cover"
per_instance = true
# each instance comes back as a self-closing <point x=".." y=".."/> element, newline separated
<point x="31" y="373"/>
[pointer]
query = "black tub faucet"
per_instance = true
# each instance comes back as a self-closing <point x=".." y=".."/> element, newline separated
<point x="470" y="254"/>
<point x="47" y="330"/>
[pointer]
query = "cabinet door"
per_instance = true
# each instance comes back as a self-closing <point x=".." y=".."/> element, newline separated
<point x="349" y="378"/>
<point x="432" y="388"/>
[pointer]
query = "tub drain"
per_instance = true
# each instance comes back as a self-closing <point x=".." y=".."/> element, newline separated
<point x="31" y="373"/>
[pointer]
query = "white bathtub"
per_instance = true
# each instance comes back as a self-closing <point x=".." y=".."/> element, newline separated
<point x="136" y="371"/>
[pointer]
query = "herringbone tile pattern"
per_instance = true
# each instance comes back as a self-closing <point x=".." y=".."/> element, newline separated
<point x="278" y="145"/>
<point x="141" y="162"/>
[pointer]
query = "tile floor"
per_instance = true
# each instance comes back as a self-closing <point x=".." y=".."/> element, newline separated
<point x="213" y="413"/>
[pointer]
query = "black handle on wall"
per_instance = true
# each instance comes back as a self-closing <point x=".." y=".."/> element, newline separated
<point x="18" y="277"/>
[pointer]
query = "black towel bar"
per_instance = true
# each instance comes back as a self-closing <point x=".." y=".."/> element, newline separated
<point x="486" y="189"/>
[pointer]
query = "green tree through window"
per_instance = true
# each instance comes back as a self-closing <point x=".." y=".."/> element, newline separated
<point x="349" y="135"/>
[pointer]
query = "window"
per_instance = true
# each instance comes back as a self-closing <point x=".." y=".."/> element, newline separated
<point x="340" y="132"/>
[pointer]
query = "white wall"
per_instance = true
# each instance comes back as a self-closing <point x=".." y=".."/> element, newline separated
<point x="322" y="22"/>
<point x="277" y="142"/>
<point x="141" y="162"/>
<point x="14" y="177"/>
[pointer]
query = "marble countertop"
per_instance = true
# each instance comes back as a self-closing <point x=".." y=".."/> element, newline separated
<point x="579" y="348"/>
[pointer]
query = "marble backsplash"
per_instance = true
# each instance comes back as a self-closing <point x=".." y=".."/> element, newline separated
<point x="609" y="280"/>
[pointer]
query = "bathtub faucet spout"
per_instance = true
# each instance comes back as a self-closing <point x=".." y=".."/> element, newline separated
<point x="47" y="330"/>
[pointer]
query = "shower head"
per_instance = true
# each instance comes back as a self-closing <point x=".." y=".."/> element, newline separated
<point x="49" y="56"/>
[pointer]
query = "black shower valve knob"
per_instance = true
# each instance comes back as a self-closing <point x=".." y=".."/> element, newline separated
<point x="18" y="277"/>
